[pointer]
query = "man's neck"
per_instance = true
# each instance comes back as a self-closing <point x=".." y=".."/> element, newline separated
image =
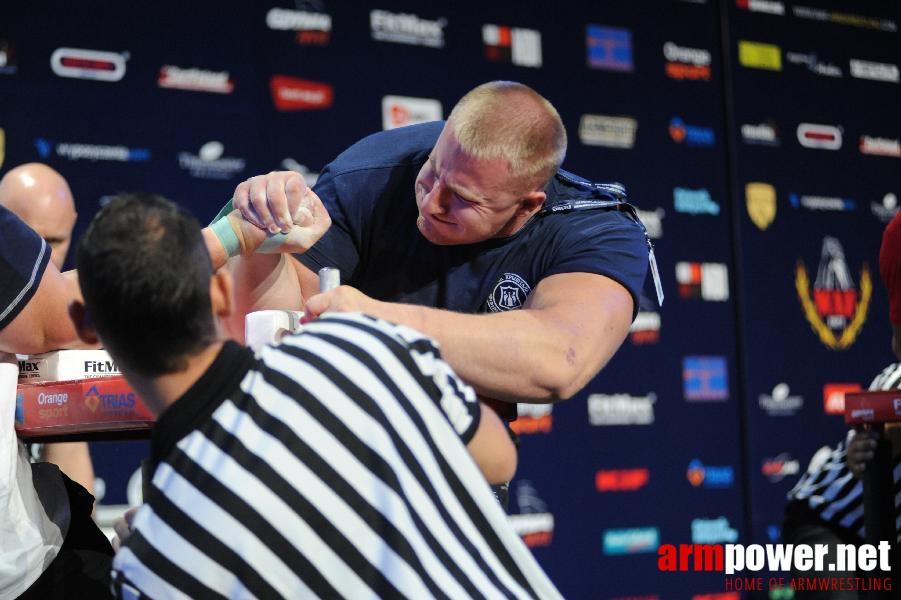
<point x="160" y="392"/>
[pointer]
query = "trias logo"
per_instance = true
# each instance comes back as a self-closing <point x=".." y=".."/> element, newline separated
<point x="97" y="65"/>
<point x="706" y="476"/>
<point x="195" y="80"/>
<point x="691" y="135"/>
<point x="401" y="28"/>
<point x="683" y="62"/>
<point x="311" y="28"/>
<point x="822" y="137"/>
<point x="836" y="309"/>
<point x="609" y="48"/>
<point x="292" y="93"/>
<point x="522" y="47"/>
<point x="400" y="111"/>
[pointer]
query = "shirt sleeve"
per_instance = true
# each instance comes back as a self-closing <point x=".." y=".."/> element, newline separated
<point x="456" y="399"/>
<point x="23" y="259"/>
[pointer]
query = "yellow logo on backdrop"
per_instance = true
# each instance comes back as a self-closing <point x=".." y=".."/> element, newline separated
<point x="760" y="200"/>
<point x="759" y="56"/>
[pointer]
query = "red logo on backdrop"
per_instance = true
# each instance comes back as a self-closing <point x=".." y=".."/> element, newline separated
<point x="719" y="596"/>
<point x="291" y="93"/>
<point x="621" y="480"/>
<point x="834" y="397"/>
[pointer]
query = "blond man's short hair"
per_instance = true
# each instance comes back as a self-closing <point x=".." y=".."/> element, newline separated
<point x="511" y="121"/>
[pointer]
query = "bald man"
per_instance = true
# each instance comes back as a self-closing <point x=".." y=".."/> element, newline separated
<point x="41" y="197"/>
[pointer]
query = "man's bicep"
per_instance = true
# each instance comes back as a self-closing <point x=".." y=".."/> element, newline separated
<point x="595" y="311"/>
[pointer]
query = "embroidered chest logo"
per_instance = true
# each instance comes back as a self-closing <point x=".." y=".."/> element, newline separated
<point x="509" y="293"/>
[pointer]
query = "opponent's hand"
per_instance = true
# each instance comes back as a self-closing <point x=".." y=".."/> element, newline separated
<point x="271" y="201"/>
<point x="309" y="222"/>
<point x="122" y="527"/>
<point x="343" y="298"/>
<point x="861" y="450"/>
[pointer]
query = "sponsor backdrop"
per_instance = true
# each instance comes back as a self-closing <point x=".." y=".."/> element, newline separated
<point x="759" y="139"/>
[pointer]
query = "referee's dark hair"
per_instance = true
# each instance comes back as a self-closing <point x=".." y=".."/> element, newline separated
<point x="151" y="308"/>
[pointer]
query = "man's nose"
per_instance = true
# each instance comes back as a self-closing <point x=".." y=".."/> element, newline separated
<point x="436" y="199"/>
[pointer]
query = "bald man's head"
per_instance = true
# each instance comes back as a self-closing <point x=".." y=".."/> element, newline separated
<point x="41" y="197"/>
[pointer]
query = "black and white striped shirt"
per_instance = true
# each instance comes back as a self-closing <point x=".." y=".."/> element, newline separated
<point x="830" y="489"/>
<point x="330" y="466"/>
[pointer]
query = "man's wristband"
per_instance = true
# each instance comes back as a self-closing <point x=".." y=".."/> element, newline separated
<point x="226" y="236"/>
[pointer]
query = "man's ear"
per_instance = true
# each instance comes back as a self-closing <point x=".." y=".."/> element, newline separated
<point x="84" y="325"/>
<point x="531" y="203"/>
<point x="221" y="293"/>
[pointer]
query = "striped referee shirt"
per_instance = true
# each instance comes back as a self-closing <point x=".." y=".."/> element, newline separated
<point x="329" y="466"/>
<point x="831" y="490"/>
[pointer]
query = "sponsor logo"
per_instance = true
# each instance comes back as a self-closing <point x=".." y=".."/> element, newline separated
<point x="534" y="523"/>
<point x="112" y="403"/>
<point x="312" y="28"/>
<point x="760" y="134"/>
<point x="823" y="137"/>
<point x="763" y="6"/>
<point x="880" y="146"/>
<point x="694" y="202"/>
<point x="52" y="399"/>
<point x="821" y="202"/>
<point x="834" y="396"/>
<point x="533" y="418"/>
<point x="609" y="48"/>
<point x="780" y="402"/>
<point x="813" y="64"/>
<point x="645" y="329"/>
<point x="522" y="47"/>
<point x="402" y="28"/>
<point x="843" y="18"/>
<point x="885" y="211"/>
<point x="292" y="93"/>
<point x="621" y="480"/>
<point x="8" y="62"/>
<point x="875" y="71"/>
<point x="706" y="476"/>
<point x="691" y="135"/>
<point x="836" y="310"/>
<point x="757" y="55"/>
<point x="635" y="540"/>
<point x="621" y="409"/>
<point x="209" y="162"/>
<point x="712" y="531"/>
<point x="400" y="111"/>
<point x="609" y="131"/>
<point x="96" y="65"/>
<point x="705" y="379"/>
<point x="509" y="293"/>
<point x="683" y="62"/>
<point x="76" y="151"/>
<point x="310" y="177"/>
<point x="653" y="222"/>
<point x="195" y="80"/>
<point x="760" y="202"/>
<point x="705" y="281"/>
<point x="778" y="468"/>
